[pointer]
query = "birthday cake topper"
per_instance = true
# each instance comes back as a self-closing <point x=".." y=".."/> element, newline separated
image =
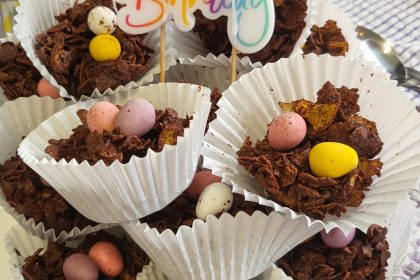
<point x="250" y="22"/>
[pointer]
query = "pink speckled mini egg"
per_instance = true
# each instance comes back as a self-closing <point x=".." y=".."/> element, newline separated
<point x="336" y="238"/>
<point x="46" y="89"/>
<point x="108" y="258"/>
<point x="286" y="131"/>
<point x="101" y="116"/>
<point x="201" y="180"/>
<point x="136" y="117"/>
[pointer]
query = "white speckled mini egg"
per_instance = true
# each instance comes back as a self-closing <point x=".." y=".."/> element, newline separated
<point x="102" y="20"/>
<point x="217" y="198"/>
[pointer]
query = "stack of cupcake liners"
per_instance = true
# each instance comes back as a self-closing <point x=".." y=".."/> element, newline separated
<point x="191" y="51"/>
<point x="123" y="192"/>
<point x="17" y="119"/>
<point x="20" y="244"/>
<point x="252" y="102"/>
<point x="36" y="17"/>
<point x="228" y="247"/>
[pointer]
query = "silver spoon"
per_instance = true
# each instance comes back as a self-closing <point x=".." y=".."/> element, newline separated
<point x="383" y="52"/>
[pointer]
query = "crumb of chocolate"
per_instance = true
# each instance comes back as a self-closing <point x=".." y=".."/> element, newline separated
<point x="18" y="77"/>
<point x="365" y="258"/>
<point x="113" y="145"/>
<point x="326" y="39"/>
<point x="286" y="176"/>
<point x="182" y="212"/>
<point x="64" y="50"/>
<point x="24" y="191"/>
<point x="289" y="24"/>
<point x="49" y="265"/>
<point x="214" y="98"/>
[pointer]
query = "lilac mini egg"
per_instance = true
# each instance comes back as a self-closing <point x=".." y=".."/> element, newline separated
<point x="286" y="131"/>
<point x="136" y="117"/>
<point x="336" y="238"/>
<point x="101" y="116"/>
<point x="80" y="267"/>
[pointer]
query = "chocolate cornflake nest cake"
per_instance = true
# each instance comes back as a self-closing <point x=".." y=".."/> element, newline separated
<point x="49" y="265"/>
<point x="289" y="24"/>
<point x="287" y="177"/>
<point x="182" y="212"/>
<point x="18" y="77"/>
<point x="64" y="50"/>
<point x="326" y="39"/>
<point x="24" y="190"/>
<point x="113" y="145"/>
<point x="365" y="258"/>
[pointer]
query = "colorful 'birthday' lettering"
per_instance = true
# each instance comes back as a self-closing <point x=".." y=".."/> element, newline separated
<point x="250" y="22"/>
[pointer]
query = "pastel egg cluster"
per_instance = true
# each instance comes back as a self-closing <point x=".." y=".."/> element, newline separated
<point x="327" y="159"/>
<point x="136" y="117"/>
<point x="214" y="197"/>
<point x="103" y="257"/>
<point x="102" y="22"/>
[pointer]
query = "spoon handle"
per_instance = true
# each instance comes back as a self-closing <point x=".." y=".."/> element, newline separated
<point x="409" y="86"/>
<point x="413" y="73"/>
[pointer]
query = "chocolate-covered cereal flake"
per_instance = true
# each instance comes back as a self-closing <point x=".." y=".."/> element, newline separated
<point x="64" y="50"/>
<point x="289" y="24"/>
<point x="365" y="258"/>
<point x="286" y="176"/>
<point x="25" y="192"/>
<point x="18" y="77"/>
<point x="326" y="39"/>
<point x="112" y="145"/>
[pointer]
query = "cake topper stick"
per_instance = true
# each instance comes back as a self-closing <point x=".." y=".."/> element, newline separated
<point x="233" y="69"/>
<point x="162" y="53"/>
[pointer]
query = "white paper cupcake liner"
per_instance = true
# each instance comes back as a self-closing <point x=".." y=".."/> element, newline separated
<point x="212" y="78"/>
<point x="19" y="244"/>
<point x="273" y="273"/>
<point x="17" y="119"/>
<point x="403" y="236"/>
<point x="191" y="51"/>
<point x="328" y="11"/>
<point x="239" y="247"/>
<point x="10" y="37"/>
<point x="36" y="17"/>
<point x="252" y="102"/>
<point x="123" y="192"/>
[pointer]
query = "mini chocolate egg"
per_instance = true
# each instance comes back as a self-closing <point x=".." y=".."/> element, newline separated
<point x="201" y="180"/>
<point x="216" y="198"/>
<point x="102" y="20"/>
<point x="286" y="131"/>
<point x="46" y="89"/>
<point x="331" y="159"/>
<point x="101" y="116"/>
<point x="136" y="117"/>
<point x="336" y="238"/>
<point x="108" y="258"/>
<point x="104" y="48"/>
<point x="80" y="267"/>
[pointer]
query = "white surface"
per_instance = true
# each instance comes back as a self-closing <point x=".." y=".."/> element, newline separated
<point x="6" y="222"/>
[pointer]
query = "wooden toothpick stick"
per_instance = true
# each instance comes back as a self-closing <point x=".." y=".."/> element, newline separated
<point x="233" y="70"/>
<point x="162" y="53"/>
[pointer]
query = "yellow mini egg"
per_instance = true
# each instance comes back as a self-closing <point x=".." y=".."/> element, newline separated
<point x="104" y="48"/>
<point x="331" y="159"/>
